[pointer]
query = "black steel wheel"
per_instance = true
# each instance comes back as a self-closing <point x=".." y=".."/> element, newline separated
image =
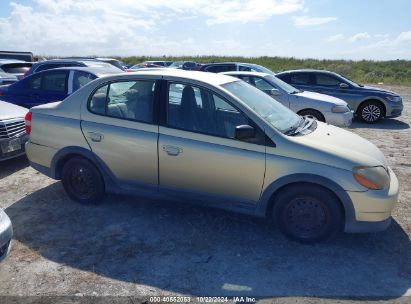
<point x="82" y="181"/>
<point x="307" y="213"/>
<point x="371" y="111"/>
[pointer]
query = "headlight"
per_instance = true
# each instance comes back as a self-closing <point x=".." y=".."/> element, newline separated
<point x="340" y="109"/>
<point x="393" y="98"/>
<point x="375" y="178"/>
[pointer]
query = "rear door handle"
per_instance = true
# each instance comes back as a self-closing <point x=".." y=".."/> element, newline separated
<point x="96" y="137"/>
<point x="172" y="150"/>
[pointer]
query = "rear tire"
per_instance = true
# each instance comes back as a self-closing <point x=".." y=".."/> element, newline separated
<point x="371" y="111"/>
<point x="83" y="181"/>
<point x="307" y="213"/>
<point x="314" y="114"/>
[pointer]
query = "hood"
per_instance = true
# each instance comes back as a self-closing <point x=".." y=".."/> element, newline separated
<point x="321" y="97"/>
<point x="9" y="110"/>
<point x="351" y="149"/>
<point x="379" y="90"/>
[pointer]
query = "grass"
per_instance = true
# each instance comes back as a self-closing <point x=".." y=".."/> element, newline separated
<point x="396" y="72"/>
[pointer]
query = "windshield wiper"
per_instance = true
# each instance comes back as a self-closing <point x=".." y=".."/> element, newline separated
<point x="303" y="124"/>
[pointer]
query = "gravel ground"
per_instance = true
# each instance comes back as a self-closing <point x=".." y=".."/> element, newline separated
<point x="131" y="246"/>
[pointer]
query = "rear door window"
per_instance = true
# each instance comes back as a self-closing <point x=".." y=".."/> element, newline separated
<point x="300" y="78"/>
<point x="130" y="100"/>
<point x="56" y="81"/>
<point x="81" y="78"/>
<point x="221" y="68"/>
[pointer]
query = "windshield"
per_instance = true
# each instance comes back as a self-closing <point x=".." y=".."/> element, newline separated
<point x="261" y="69"/>
<point x="354" y="84"/>
<point x="281" y="84"/>
<point x="273" y="112"/>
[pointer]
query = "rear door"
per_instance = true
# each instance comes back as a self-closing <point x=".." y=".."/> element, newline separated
<point x="302" y="81"/>
<point x="120" y="126"/>
<point x="198" y="152"/>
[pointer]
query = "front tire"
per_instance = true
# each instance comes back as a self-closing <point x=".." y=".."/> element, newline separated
<point x="371" y="111"/>
<point x="83" y="181"/>
<point x="307" y="213"/>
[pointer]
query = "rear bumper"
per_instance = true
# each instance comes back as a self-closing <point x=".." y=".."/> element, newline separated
<point x="373" y="208"/>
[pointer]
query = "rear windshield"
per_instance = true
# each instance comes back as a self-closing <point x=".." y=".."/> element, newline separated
<point x="16" y="68"/>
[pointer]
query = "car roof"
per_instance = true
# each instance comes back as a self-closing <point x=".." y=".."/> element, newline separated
<point x="7" y="61"/>
<point x="258" y="74"/>
<point x="209" y="78"/>
<point x="306" y="71"/>
<point x="98" y="71"/>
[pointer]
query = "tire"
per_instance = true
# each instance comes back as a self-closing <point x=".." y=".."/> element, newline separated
<point x="314" y="114"/>
<point x="83" y="181"/>
<point x="371" y="111"/>
<point x="307" y="213"/>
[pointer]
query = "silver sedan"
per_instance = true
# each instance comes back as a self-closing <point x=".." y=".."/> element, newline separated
<point x="314" y="105"/>
<point x="6" y="233"/>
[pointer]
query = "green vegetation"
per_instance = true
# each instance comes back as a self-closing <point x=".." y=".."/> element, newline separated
<point x="365" y="71"/>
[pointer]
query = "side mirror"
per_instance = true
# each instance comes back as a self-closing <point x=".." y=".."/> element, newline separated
<point x="344" y="85"/>
<point x="244" y="132"/>
<point x="274" y="92"/>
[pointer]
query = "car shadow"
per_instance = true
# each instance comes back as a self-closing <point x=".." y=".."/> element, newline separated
<point x="13" y="165"/>
<point x="200" y="251"/>
<point x="384" y="124"/>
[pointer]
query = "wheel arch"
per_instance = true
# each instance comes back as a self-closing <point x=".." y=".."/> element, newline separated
<point x="311" y="109"/>
<point x="63" y="155"/>
<point x="269" y="195"/>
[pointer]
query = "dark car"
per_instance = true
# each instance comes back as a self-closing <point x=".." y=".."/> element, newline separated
<point x="369" y="103"/>
<point x="15" y="67"/>
<point x="51" y="85"/>
<point x="185" y="65"/>
<point x="219" y="67"/>
<point x="63" y="63"/>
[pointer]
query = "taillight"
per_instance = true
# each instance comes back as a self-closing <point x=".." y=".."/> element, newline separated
<point x="1" y="93"/>
<point x="27" y="122"/>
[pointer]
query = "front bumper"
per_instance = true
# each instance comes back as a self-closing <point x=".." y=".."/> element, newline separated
<point x="373" y="208"/>
<point x="6" y="234"/>
<point x="12" y="147"/>
<point x="339" y="119"/>
<point x="394" y="110"/>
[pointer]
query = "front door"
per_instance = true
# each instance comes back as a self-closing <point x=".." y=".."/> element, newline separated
<point x="197" y="149"/>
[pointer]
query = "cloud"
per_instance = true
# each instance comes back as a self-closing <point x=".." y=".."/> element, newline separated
<point x="125" y="27"/>
<point x="381" y="35"/>
<point x="359" y="37"/>
<point x="334" y="38"/>
<point x="404" y="36"/>
<point x="309" y="21"/>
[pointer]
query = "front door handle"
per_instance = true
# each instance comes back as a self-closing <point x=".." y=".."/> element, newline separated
<point x="172" y="150"/>
<point x="96" y="137"/>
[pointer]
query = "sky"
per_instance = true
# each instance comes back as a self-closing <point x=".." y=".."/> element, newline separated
<point x="323" y="29"/>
